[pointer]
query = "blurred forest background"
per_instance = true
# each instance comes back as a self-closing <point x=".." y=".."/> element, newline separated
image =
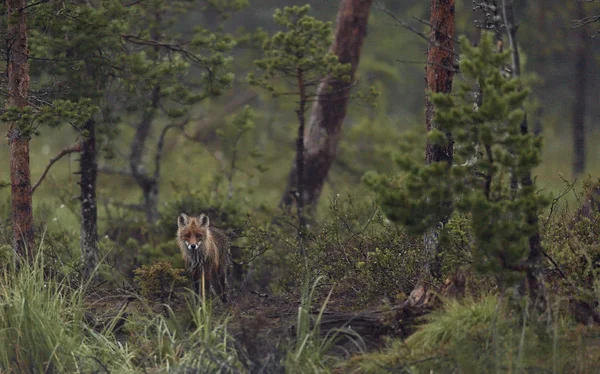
<point x="181" y="124"/>
<point x="392" y="59"/>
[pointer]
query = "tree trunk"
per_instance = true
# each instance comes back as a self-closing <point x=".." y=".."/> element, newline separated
<point x="148" y="184"/>
<point x="440" y="60"/>
<point x="300" y="174"/>
<point x="89" y="212"/>
<point x="534" y="278"/>
<point x="18" y="137"/>
<point x="579" y="102"/>
<point x="540" y="64"/>
<point x="328" y="112"/>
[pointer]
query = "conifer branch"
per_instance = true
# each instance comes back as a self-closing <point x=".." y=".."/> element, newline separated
<point x="75" y="148"/>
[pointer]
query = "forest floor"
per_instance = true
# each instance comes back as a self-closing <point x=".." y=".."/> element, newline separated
<point x="262" y="325"/>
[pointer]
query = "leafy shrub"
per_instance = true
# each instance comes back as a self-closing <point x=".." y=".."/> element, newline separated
<point x="159" y="279"/>
<point x="356" y="248"/>
<point x="573" y="244"/>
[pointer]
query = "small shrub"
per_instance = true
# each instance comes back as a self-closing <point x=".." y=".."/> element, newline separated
<point x="159" y="279"/>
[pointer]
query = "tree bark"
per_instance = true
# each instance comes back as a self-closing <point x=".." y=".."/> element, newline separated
<point x="579" y="103"/>
<point x="89" y="211"/>
<point x="540" y="64"/>
<point x="329" y="110"/>
<point x="439" y="76"/>
<point x="534" y="278"/>
<point x="148" y="184"/>
<point x="18" y="137"/>
<point x="300" y="174"/>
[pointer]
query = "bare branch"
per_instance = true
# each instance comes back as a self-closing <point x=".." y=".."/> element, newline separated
<point x="71" y="149"/>
<point x="161" y="143"/>
<point x="427" y="23"/>
<point x="585" y="21"/>
<point x="412" y="29"/>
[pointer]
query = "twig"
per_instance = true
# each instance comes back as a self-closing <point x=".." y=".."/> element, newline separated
<point x="556" y="200"/>
<point x="71" y="149"/>
<point x="161" y="143"/>
<point x="427" y="23"/>
<point x="410" y="28"/>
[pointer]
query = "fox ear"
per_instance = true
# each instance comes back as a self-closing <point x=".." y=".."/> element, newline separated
<point x="182" y="220"/>
<point x="204" y="221"/>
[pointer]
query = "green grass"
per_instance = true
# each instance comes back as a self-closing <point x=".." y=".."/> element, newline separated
<point x="310" y="352"/>
<point x="43" y="329"/>
<point x="486" y="336"/>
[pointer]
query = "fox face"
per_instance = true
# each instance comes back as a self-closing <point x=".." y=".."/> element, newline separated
<point x="192" y="230"/>
<point x="206" y="252"/>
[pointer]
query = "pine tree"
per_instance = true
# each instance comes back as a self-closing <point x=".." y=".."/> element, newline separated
<point x="299" y="54"/>
<point x="490" y="150"/>
<point x="324" y="129"/>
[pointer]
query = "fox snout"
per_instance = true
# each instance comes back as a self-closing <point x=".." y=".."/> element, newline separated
<point x="191" y="246"/>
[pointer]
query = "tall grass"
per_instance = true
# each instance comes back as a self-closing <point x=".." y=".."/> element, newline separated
<point x="43" y="330"/>
<point x="487" y="336"/>
<point x="310" y="349"/>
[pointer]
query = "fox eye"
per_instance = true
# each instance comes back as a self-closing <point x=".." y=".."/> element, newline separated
<point x="187" y="236"/>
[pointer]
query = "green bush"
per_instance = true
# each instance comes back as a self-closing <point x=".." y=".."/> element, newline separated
<point x="159" y="279"/>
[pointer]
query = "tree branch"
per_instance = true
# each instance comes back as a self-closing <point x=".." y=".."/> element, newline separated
<point x="71" y="149"/>
<point x="161" y="143"/>
<point x="412" y="29"/>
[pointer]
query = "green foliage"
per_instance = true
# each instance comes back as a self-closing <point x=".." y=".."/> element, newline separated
<point x="29" y="119"/>
<point x="490" y="151"/>
<point x="211" y="347"/>
<point x="572" y="240"/>
<point x="43" y="329"/>
<point x="192" y="341"/>
<point x="239" y="149"/>
<point x="309" y="352"/>
<point x="481" y="336"/>
<point x="365" y="255"/>
<point x="300" y="52"/>
<point x="159" y="279"/>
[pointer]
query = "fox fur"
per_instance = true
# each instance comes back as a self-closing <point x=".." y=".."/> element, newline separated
<point x="205" y="250"/>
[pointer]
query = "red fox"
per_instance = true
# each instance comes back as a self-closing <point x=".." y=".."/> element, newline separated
<point x="205" y="250"/>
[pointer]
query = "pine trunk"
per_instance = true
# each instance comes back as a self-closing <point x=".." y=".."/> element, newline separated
<point x="328" y="112"/>
<point x="18" y="138"/>
<point x="89" y="212"/>
<point x="439" y="72"/>
<point x="580" y="89"/>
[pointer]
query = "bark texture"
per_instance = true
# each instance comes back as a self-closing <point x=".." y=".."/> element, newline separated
<point x="148" y="184"/>
<point x="534" y="278"/>
<point x="89" y="211"/>
<point x="580" y="88"/>
<point x="324" y="129"/>
<point x="439" y="76"/>
<point x="18" y="137"/>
